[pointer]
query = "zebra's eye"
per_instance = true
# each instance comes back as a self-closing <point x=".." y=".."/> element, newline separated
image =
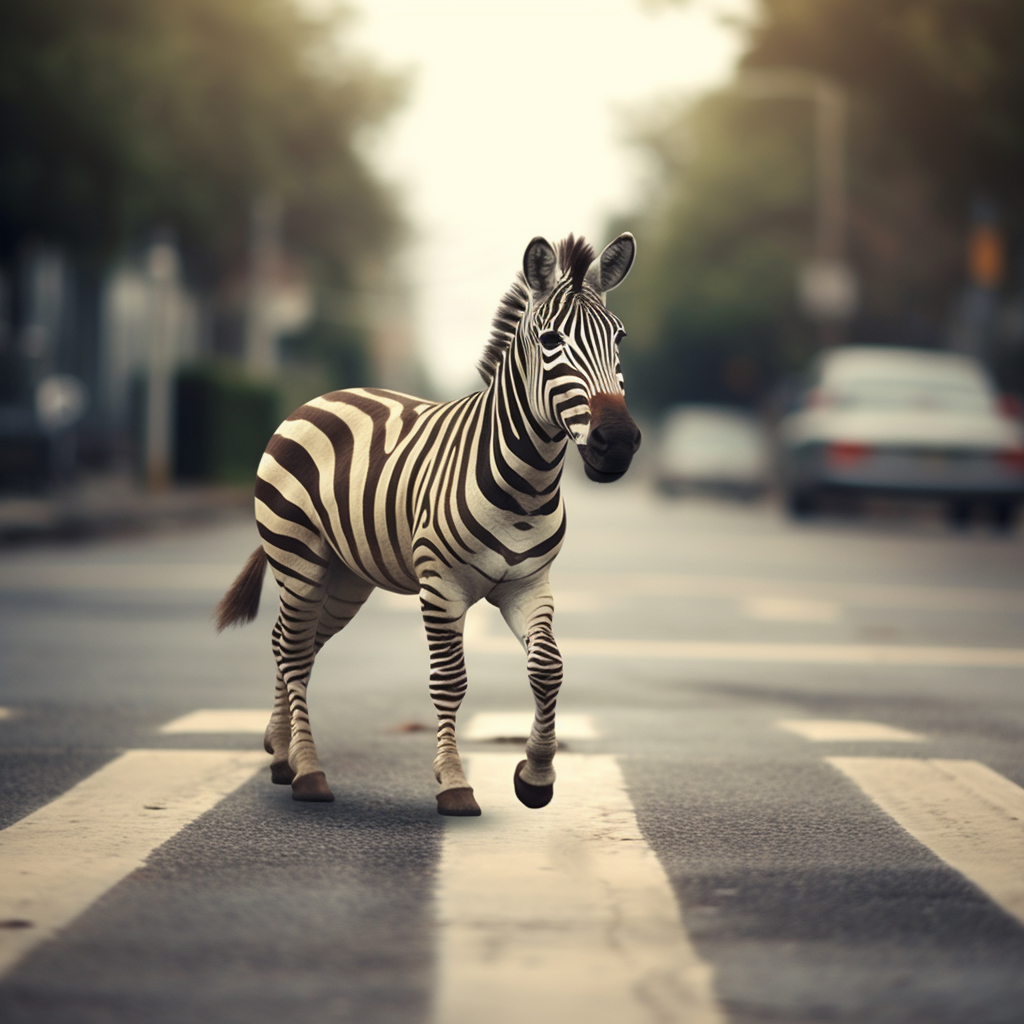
<point x="550" y="340"/>
<point x="619" y="335"/>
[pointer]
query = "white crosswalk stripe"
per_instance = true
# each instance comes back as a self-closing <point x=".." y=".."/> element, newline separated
<point x="839" y="730"/>
<point x="504" y="725"/>
<point x="60" y="859"/>
<point x="967" y="814"/>
<point x="561" y="914"/>
<point x="251" y="720"/>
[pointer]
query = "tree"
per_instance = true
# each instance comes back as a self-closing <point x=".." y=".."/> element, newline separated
<point x="120" y="116"/>
<point x="935" y="92"/>
<point x="714" y="313"/>
<point x="940" y="80"/>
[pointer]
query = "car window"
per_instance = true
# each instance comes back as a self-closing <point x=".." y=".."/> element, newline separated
<point x="881" y="393"/>
<point x="898" y="384"/>
<point x="714" y="434"/>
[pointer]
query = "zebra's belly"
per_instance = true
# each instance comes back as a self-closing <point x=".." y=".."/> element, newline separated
<point x="474" y="567"/>
<point x="472" y="573"/>
<point x="379" y="556"/>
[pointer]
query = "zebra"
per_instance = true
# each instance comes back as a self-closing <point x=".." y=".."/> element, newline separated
<point x="452" y="501"/>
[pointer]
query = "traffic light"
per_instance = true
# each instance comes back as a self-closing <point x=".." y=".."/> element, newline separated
<point x="986" y="257"/>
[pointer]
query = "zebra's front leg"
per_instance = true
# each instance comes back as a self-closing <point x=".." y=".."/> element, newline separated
<point x="443" y="622"/>
<point x="535" y="777"/>
<point x="529" y="614"/>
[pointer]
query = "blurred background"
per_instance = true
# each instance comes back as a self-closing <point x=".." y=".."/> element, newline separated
<point x="214" y="210"/>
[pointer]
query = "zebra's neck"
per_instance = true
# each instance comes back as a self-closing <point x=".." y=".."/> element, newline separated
<point x="524" y="459"/>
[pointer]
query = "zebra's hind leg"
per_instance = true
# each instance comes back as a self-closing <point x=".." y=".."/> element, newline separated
<point x="294" y="642"/>
<point x="278" y="735"/>
<point x="443" y="620"/>
<point x="310" y="615"/>
<point x="529" y="614"/>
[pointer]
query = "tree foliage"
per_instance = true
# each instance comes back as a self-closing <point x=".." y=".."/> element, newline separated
<point x="726" y="221"/>
<point x="935" y="92"/>
<point x="121" y="116"/>
<point x="943" y="81"/>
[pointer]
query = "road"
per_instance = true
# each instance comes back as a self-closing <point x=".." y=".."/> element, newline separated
<point x="789" y="787"/>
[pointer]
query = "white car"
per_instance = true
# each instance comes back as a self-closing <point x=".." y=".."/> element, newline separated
<point x="712" y="447"/>
<point x="907" y="422"/>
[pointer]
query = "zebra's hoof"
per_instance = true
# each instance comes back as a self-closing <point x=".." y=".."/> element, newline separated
<point x="312" y="787"/>
<point x="532" y="796"/>
<point x="281" y="773"/>
<point x="458" y="803"/>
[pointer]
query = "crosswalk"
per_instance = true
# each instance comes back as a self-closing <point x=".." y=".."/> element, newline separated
<point x="561" y="916"/>
<point x="964" y="812"/>
<point x="514" y="886"/>
<point x="61" y="858"/>
<point x="968" y="815"/>
<point x="844" y="730"/>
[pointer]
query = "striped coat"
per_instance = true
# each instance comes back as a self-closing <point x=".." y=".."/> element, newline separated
<point x="451" y="501"/>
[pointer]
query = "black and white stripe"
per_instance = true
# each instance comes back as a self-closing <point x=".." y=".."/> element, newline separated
<point x="452" y="501"/>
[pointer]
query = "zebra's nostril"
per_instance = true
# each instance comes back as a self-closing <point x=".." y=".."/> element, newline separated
<point x="623" y="437"/>
<point x="597" y="442"/>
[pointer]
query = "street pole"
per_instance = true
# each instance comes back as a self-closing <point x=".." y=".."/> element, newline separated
<point x="264" y="259"/>
<point x="162" y="267"/>
<point x="827" y="286"/>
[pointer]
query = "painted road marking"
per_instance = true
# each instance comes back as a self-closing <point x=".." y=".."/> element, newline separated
<point x="828" y="730"/>
<point x="964" y="812"/>
<point x="220" y="720"/>
<point x="112" y="576"/>
<point x="514" y="725"/>
<point x="5" y="713"/>
<point x="869" y="595"/>
<point x="182" y="576"/>
<point x="562" y="914"/>
<point x="61" y="858"/>
<point x="790" y="609"/>
<point x="807" y="654"/>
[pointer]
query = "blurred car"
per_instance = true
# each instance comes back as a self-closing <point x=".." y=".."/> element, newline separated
<point x="906" y="422"/>
<point x="712" y="448"/>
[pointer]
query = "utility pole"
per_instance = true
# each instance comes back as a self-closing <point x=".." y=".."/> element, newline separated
<point x="162" y="269"/>
<point x="264" y="264"/>
<point x="826" y="284"/>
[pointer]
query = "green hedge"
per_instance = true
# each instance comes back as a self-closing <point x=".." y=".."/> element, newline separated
<point x="224" y="421"/>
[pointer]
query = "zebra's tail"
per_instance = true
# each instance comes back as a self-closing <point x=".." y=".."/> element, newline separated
<point x="242" y="601"/>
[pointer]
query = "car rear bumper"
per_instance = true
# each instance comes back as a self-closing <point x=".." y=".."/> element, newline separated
<point x="926" y="473"/>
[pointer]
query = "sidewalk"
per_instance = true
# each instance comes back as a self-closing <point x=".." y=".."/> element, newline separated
<point x="107" y="505"/>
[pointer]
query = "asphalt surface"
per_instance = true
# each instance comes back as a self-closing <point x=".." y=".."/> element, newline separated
<point x="808" y="902"/>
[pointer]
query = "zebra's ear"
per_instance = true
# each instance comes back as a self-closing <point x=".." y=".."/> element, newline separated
<point x="611" y="267"/>
<point x="540" y="266"/>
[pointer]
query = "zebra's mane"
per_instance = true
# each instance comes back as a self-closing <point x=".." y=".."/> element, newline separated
<point x="574" y="258"/>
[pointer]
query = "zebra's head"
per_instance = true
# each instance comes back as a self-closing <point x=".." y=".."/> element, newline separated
<point x="576" y="378"/>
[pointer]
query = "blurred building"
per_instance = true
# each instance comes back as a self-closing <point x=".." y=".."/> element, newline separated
<point x="132" y="370"/>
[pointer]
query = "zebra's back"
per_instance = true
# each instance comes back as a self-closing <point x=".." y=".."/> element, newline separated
<point x="339" y="476"/>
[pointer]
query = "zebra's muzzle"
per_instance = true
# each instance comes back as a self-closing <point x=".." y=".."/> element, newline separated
<point x="613" y="439"/>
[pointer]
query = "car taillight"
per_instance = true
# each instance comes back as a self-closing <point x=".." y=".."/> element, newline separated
<point x="844" y="454"/>
<point x="1012" y="459"/>
<point x="1010" y="406"/>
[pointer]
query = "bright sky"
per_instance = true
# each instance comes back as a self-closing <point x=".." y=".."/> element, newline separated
<point x="513" y="129"/>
